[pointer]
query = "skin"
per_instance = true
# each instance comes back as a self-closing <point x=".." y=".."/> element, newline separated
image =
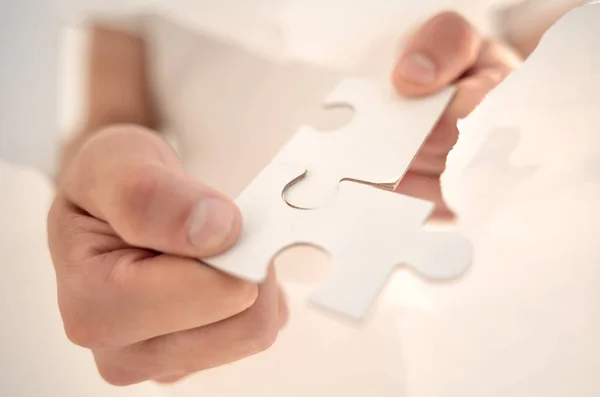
<point x="126" y="219"/>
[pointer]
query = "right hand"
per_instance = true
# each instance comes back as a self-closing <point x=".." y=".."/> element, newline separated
<point x="124" y="231"/>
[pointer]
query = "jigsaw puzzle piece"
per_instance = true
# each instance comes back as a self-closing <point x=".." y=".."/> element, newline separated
<point x="368" y="232"/>
<point x="378" y="145"/>
<point x="356" y="282"/>
<point x="269" y="224"/>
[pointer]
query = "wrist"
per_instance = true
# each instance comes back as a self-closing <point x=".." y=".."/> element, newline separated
<point x="74" y="144"/>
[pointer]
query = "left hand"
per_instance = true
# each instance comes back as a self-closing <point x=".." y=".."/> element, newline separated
<point x="447" y="50"/>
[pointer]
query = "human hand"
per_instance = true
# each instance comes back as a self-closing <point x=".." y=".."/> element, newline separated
<point x="123" y="231"/>
<point x="447" y="50"/>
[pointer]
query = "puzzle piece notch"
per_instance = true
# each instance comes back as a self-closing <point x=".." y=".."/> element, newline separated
<point x="377" y="146"/>
<point x="368" y="232"/>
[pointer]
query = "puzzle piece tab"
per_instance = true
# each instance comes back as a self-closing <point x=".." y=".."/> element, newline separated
<point x="377" y="146"/>
<point x="367" y="231"/>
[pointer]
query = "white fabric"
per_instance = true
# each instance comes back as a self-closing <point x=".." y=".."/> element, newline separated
<point x="358" y="36"/>
<point x="29" y="46"/>
<point x="269" y="63"/>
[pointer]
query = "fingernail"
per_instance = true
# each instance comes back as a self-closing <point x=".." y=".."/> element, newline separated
<point x="211" y="224"/>
<point x="417" y="68"/>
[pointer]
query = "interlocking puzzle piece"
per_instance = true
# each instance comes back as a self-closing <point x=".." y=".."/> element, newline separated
<point x="367" y="231"/>
<point x="378" y="145"/>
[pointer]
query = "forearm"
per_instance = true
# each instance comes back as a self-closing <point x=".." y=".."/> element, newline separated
<point x="117" y="86"/>
<point x="118" y="90"/>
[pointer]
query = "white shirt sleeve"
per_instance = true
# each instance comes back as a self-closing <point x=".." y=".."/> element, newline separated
<point x="30" y="62"/>
<point x="121" y="14"/>
<point x="29" y="45"/>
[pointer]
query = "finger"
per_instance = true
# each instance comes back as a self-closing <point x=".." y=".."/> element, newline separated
<point x="283" y="319"/>
<point x="491" y="67"/>
<point x="130" y="178"/>
<point x="243" y="335"/>
<point x="284" y="311"/>
<point x="168" y="380"/>
<point x="494" y="64"/>
<point x="425" y="187"/>
<point x="113" y="295"/>
<point x="499" y="57"/>
<point x="134" y="297"/>
<point x="438" y="54"/>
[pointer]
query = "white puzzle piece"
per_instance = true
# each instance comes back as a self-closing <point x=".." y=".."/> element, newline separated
<point x="299" y="199"/>
<point x="378" y="145"/>
<point x="367" y="231"/>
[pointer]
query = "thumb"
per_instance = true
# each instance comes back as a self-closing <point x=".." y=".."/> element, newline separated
<point x="442" y="50"/>
<point x="131" y="179"/>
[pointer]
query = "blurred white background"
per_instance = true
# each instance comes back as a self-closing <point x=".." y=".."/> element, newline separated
<point x="36" y="360"/>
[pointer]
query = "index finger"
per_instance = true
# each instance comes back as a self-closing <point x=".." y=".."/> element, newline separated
<point x="111" y="294"/>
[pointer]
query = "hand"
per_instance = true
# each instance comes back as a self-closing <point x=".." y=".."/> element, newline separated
<point x="123" y="230"/>
<point x="447" y="50"/>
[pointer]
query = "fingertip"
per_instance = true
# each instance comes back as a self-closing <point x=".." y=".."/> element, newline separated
<point x="236" y="228"/>
<point x="440" y="52"/>
<point x="214" y="226"/>
<point x="415" y="74"/>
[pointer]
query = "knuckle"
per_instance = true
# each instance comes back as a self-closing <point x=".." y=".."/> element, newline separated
<point x="53" y="215"/>
<point x="491" y="80"/>
<point x="138" y="184"/>
<point x="239" y="294"/>
<point x="262" y="329"/>
<point x="117" y="375"/>
<point x="500" y="57"/>
<point x="68" y="239"/>
<point x="453" y="20"/>
<point x="85" y="330"/>
<point x="56" y="229"/>
<point x="134" y="195"/>
<point x="455" y="28"/>
<point x="80" y="333"/>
